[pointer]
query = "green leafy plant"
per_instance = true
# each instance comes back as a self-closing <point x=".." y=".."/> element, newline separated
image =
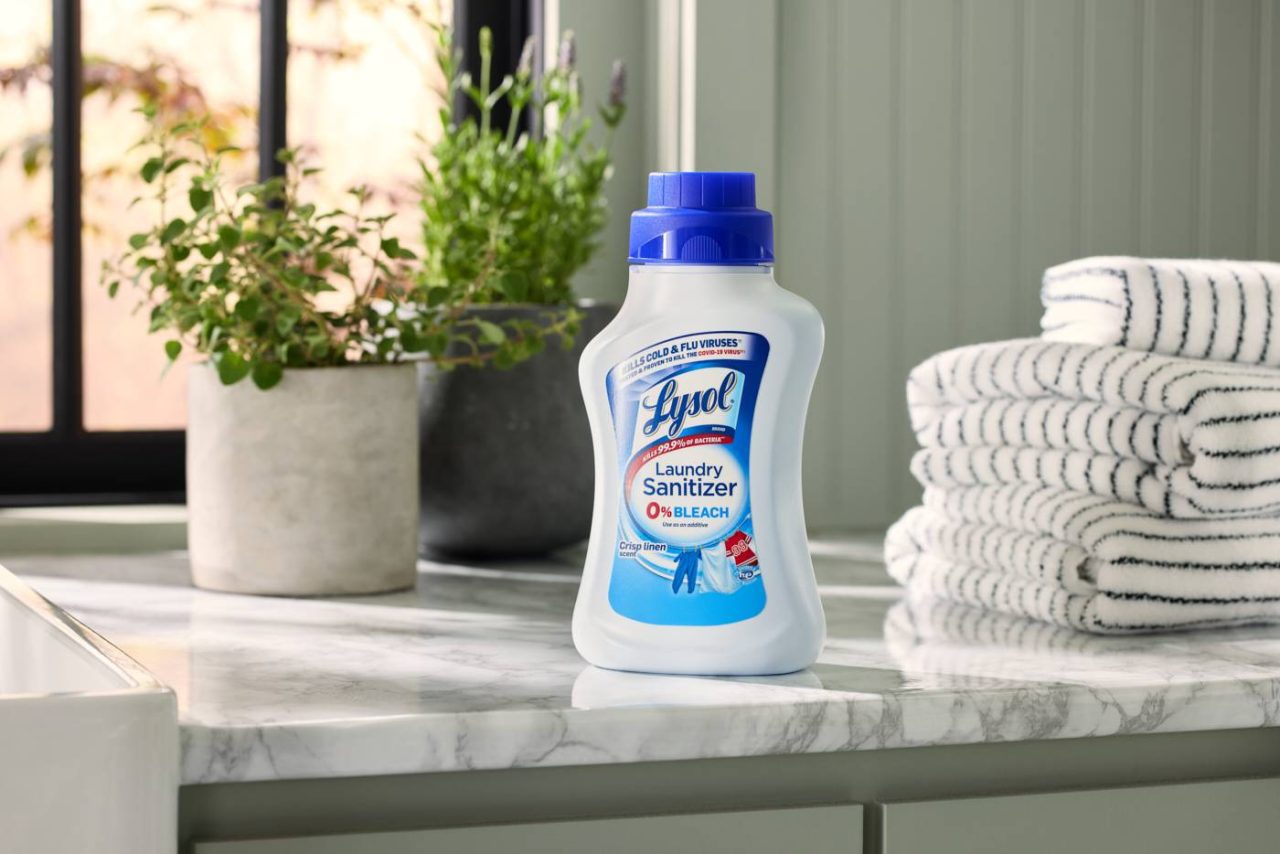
<point x="509" y="216"/>
<point x="257" y="279"/>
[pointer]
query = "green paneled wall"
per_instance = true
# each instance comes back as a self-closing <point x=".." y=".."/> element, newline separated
<point x="927" y="159"/>
<point x="935" y="155"/>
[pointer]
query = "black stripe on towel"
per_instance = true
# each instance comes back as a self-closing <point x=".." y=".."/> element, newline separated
<point x="1235" y="354"/>
<point x="1155" y="289"/>
<point x="1213" y="322"/>
<point x="1267" y="332"/>
<point x="1186" y="311"/>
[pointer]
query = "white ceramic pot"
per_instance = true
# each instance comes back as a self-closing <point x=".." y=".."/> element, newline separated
<point x="307" y="489"/>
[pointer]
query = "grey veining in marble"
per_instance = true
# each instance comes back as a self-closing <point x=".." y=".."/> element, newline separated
<point x="475" y="669"/>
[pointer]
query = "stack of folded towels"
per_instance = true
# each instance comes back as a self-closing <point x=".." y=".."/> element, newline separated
<point x="1121" y="473"/>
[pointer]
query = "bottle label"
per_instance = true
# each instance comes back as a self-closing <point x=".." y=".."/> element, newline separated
<point x="682" y="416"/>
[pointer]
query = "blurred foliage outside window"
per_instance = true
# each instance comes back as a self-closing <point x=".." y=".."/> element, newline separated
<point x="363" y="91"/>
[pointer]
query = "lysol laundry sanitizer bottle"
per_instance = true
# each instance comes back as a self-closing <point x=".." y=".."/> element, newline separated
<point x="696" y="392"/>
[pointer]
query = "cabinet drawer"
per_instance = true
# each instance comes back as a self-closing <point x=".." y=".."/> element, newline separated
<point x="1238" y="816"/>
<point x="815" y="830"/>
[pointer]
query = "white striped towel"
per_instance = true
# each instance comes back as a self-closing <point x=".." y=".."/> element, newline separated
<point x="1084" y="561"/>
<point x="1220" y="310"/>
<point x="1182" y="437"/>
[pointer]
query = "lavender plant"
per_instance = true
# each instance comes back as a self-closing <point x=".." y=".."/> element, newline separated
<point x="509" y="216"/>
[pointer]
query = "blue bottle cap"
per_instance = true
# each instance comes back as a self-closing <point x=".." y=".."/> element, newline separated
<point x="701" y="218"/>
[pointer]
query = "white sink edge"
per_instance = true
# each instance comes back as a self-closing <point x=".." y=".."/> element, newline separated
<point x="137" y="678"/>
<point x="89" y="765"/>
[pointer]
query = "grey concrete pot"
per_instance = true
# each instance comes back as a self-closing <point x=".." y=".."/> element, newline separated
<point x="308" y="489"/>
<point x="506" y="458"/>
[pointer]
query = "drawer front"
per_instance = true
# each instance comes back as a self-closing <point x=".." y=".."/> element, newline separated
<point x="1239" y="816"/>
<point x="814" y="830"/>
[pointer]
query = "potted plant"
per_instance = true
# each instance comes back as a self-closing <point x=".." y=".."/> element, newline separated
<point x="508" y="217"/>
<point x="301" y="437"/>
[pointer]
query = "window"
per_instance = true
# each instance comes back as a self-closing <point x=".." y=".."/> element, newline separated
<point x="87" y="412"/>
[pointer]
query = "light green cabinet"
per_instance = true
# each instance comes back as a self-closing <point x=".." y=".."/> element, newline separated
<point x="1117" y="795"/>
<point x="814" y="830"/>
<point x="1242" y="817"/>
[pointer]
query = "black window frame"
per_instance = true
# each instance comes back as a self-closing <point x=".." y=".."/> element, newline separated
<point x="69" y="464"/>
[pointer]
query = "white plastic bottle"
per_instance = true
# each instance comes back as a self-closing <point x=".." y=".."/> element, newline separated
<point x="696" y="392"/>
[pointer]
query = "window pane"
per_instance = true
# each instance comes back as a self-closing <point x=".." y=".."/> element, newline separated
<point x="26" y="275"/>
<point x="363" y="86"/>
<point x="192" y="55"/>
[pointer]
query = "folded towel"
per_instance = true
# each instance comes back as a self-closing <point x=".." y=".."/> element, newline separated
<point x="1085" y="561"/>
<point x="1181" y="437"/>
<point x="1221" y="310"/>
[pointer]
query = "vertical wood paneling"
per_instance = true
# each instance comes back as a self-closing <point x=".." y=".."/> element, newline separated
<point x="867" y="392"/>
<point x="1171" y="166"/>
<point x="989" y="144"/>
<point x="1228" y="207"/>
<point x="1270" y="143"/>
<point x="936" y="155"/>
<point x="1051" y="157"/>
<point x="1111" y="123"/>
<point x="750" y="60"/>
<point x="608" y="26"/>
<point x="804" y="230"/>
<point x="1266" y="131"/>
<point x="928" y="244"/>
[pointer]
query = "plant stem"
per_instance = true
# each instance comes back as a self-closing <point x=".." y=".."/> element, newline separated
<point x="516" y="109"/>
<point x="486" y="55"/>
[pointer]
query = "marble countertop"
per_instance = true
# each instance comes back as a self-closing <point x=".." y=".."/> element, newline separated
<point x="475" y="670"/>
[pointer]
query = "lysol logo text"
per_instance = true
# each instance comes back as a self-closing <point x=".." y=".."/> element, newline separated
<point x="670" y="408"/>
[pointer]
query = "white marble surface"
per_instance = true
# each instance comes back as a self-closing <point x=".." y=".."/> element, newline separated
<point x="475" y="669"/>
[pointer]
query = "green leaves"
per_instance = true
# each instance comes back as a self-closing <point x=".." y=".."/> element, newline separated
<point x="199" y="198"/>
<point x="514" y="285"/>
<point x="411" y="341"/>
<point x="151" y="169"/>
<point x="436" y="296"/>
<point x="267" y="374"/>
<point x="171" y="231"/>
<point x="287" y="318"/>
<point x="231" y="367"/>
<point x="162" y="163"/>
<point x="392" y="248"/>
<point x="490" y="333"/>
<point x="228" y="236"/>
<point x="437" y="343"/>
<point x="261" y="280"/>
<point x="244" y="282"/>
<point x="247" y="308"/>
<point x="159" y="318"/>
